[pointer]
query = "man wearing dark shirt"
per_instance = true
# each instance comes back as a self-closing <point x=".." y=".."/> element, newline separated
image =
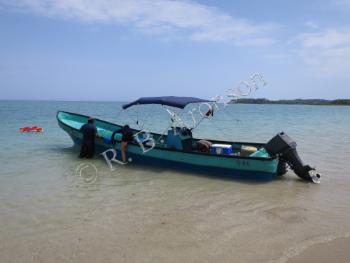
<point x="127" y="136"/>
<point x="88" y="143"/>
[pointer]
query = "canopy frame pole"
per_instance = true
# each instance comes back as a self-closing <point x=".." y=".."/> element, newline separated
<point x="175" y="118"/>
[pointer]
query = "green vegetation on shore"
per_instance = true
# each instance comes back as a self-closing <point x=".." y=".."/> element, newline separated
<point x="344" y="102"/>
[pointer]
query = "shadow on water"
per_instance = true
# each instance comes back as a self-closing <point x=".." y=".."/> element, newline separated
<point x="58" y="148"/>
<point x="202" y="174"/>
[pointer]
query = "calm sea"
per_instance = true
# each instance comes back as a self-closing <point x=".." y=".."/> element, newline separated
<point x="48" y="213"/>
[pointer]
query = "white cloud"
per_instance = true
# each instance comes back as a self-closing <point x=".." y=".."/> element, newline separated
<point x="189" y="19"/>
<point x="342" y="4"/>
<point x="311" y="24"/>
<point x="327" y="51"/>
<point x="325" y="39"/>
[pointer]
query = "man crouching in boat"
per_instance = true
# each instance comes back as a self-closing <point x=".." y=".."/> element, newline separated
<point x="88" y="143"/>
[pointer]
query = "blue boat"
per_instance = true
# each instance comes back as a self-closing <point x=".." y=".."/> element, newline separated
<point x="177" y="148"/>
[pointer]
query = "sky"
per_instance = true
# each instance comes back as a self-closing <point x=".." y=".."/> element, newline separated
<point x="119" y="50"/>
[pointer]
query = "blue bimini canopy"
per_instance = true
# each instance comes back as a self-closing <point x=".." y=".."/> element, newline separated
<point x="178" y="102"/>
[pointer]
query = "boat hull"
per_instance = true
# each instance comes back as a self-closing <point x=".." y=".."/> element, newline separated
<point x="238" y="167"/>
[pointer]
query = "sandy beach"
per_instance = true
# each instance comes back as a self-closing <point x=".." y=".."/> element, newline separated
<point x="152" y="237"/>
<point x="337" y="251"/>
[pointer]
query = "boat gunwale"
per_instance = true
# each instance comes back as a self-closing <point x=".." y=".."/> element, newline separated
<point x="271" y="158"/>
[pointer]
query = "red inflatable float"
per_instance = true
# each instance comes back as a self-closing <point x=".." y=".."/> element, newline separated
<point x="31" y="129"/>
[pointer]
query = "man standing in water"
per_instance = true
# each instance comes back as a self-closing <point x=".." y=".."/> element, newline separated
<point x="88" y="143"/>
<point x="127" y="137"/>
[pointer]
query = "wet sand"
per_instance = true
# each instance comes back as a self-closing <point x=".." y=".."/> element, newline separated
<point x="337" y="251"/>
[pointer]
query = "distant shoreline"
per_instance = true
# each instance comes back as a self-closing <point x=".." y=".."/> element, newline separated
<point x="337" y="102"/>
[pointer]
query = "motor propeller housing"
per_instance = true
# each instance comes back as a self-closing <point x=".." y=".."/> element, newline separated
<point x="285" y="147"/>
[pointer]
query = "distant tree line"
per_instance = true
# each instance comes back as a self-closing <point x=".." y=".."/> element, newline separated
<point x="296" y="101"/>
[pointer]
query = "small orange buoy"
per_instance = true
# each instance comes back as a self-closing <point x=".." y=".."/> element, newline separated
<point x="31" y="129"/>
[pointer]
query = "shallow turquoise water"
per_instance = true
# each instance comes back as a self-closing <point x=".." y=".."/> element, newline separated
<point x="42" y="198"/>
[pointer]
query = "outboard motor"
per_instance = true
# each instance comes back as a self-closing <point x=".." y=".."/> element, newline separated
<point x="285" y="147"/>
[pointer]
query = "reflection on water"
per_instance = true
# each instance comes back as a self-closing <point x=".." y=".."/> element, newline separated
<point x="49" y="210"/>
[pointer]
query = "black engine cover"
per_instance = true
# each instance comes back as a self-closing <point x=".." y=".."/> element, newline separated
<point x="281" y="143"/>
